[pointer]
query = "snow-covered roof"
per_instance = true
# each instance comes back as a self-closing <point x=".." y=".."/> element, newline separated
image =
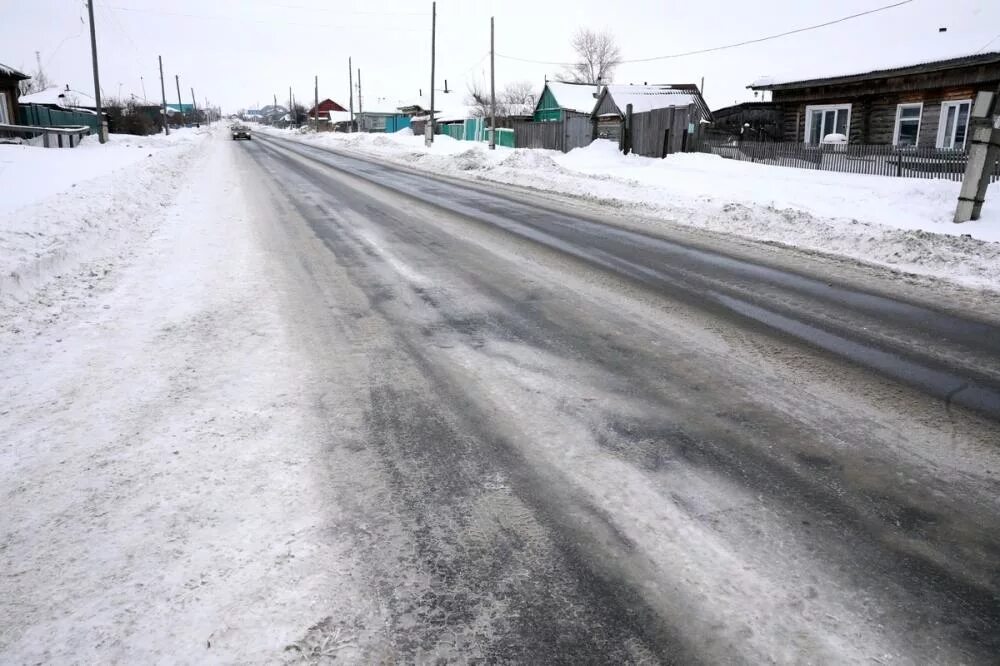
<point x="339" y="116"/>
<point x="578" y="97"/>
<point x="889" y="66"/>
<point x="6" y="70"/>
<point x="56" y="96"/>
<point x="453" y="115"/>
<point x="648" y="98"/>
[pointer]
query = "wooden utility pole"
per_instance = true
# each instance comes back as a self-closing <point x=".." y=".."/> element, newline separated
<point x="101" y="135"/>
<point x="291" y="118"/>
<point x="984" y="128"/>
<point x="316" y="108"/>
<point x="493" y="94"/>
<point x="163" y="91"/>
<point x="350" y="83"/>
<point x="429" y="129"/>
<point x="194" y="108"/>
<point x="180" y="102"/>
<point x="359" y="99"/>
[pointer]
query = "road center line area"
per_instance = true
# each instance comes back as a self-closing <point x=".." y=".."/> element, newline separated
<point x="335" y="410"/>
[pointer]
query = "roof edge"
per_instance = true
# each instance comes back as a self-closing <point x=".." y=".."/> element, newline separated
<point x="930" y="66"/>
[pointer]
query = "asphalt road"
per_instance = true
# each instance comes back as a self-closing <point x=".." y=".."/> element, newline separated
<point x="559" y="440"/>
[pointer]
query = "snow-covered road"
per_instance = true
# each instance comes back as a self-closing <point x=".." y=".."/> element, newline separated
<point x="330" y="410"/>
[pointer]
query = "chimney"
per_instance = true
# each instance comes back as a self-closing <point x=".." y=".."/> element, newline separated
<point x="67" y="87"/>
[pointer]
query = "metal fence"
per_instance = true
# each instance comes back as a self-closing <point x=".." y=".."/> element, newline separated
<point x="877" y="160"/>
<point x="42" y="116"/>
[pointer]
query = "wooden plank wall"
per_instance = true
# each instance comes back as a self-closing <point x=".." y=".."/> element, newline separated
<point x="661" y="132"/>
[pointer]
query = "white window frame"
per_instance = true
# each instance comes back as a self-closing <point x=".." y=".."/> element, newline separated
<point x="943" y="118"/>
<point x="825" y="107"/>
<point x="4" y="109"/>
<point x="899" y="117"/>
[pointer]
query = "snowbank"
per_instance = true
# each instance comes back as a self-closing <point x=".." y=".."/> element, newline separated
<point x="901" y="223"/>
<point x="64" y="207"/>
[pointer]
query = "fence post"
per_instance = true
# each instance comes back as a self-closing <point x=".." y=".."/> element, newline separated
<point x="627" y="133"/>
<point x="899" y="163"/>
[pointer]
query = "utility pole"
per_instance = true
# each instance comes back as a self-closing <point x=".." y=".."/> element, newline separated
<point x="291" y="119"/>
<point x="429" y="129"/>
<point x="101" y="136"/>
<point x="142" y="83"/>
<point x="163" y="91"/>
<point x="180" y="102"/>
<point x="493" y="95"/>
<point x="984" y="141"/>
<point x="350" y="83"/>
<point x="316" y="108"/>
<point x="359" y="99"/>
<point x="194" y="107"/>
<point x="274" y="108"/>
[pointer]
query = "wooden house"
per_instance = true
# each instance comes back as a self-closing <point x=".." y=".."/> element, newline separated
<point x="325" y="107"/>
<point x="10" y="78"/>
<point x="925" y="104"/>
<point x="665" y="117"/>
<point x="561" y="100"/>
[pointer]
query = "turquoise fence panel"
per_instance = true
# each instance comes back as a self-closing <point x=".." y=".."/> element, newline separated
<point x="474" y="129"/>
<point x="43" y="116"/>
<point x="505" y="137"/>
<point x="396" y="123"/>
<point x="454" y="130"/>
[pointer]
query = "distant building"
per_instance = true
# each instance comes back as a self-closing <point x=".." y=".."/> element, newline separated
<point x="325" y="107"/>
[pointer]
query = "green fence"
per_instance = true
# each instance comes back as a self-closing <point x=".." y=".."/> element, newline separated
<point x="43" y="116"/>
<point x="454" y="130"/>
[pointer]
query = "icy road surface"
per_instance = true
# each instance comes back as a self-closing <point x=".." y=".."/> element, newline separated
<point x="341" y="411"/>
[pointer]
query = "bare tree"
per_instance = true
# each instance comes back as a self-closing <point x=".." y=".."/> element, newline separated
<point x="38" y="82"/>
<point x="514" y="99"/>
<point x="597" y="56"/>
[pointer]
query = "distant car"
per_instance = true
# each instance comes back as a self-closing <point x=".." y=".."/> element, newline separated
<point x="241" y="132"/>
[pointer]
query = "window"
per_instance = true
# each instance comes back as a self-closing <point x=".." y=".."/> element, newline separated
<point x="907" y="132"/>
<point x="827" y="119"/>
<point x="3" y="109"/>
<point x="954" y="124"/>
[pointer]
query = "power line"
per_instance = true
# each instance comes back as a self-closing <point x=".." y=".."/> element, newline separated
<point x="734" y="45"/>
<point x="987" y="44"/>
<point x="268" y="21"/>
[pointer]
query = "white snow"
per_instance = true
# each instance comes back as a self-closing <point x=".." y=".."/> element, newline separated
<point x="63" y="206"/>
<point x="902" y="223"/>
<point x="579" y="97"/>
<point x="57" y="96"/>
<point x="162" y="468"/>
<point x="942" y="48"/>
<point x="648" y="98"/>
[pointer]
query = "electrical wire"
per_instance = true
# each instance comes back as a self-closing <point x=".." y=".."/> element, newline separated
<point x="269" y="21"/>
<point x="987" y="44"/>
<point x="730" y="46"/>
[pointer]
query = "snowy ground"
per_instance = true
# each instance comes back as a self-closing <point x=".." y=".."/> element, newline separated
<point x="65" y="207"/>
<point x="145" y="418"/>
<point x="901" y="223"/>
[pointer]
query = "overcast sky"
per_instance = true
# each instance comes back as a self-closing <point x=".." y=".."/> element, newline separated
<point x="238" y="53"/>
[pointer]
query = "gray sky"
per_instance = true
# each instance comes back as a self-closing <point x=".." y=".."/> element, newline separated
<point x="238" y="53"/>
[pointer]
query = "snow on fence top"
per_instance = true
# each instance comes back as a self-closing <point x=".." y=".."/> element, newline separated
<point x="56" y="96"/>
<point x="887" y="67"/>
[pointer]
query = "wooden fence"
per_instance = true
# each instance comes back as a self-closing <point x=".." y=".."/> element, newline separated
<point x="878" y="160"/>
<point x="660" y="132"/>
<point x="564" y="135"/>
